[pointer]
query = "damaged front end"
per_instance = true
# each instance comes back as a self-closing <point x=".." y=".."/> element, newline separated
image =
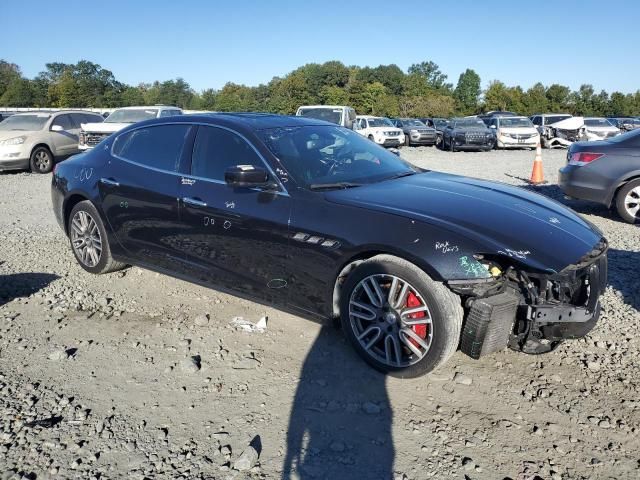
<point x="530" y="311"/>
<point x="564" y="133"/>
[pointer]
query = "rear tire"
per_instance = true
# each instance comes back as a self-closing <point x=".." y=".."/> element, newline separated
<point x="88" y="239"/>
<point x="41" y="160"/>
<point x="628" y="201"/>
<point x="392" y="345"/>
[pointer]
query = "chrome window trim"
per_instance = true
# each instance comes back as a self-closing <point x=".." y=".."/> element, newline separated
<point x="283" y="191"/>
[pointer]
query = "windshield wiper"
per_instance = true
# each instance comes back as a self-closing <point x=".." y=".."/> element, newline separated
<point x="330" y="186"/>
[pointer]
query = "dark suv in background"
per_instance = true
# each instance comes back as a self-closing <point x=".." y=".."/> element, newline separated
<point x="469" y="133"/>
<point x="415" y="131"/>
<point x="438" y="124"/>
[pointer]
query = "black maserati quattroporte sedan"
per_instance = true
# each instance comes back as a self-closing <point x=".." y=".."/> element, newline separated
<point x="318" y="220"/>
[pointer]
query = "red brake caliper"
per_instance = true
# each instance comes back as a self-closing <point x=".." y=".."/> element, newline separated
<point x="412" y="302"/>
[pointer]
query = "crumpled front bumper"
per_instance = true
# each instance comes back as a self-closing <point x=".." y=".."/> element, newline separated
<point x="539" y="312"/>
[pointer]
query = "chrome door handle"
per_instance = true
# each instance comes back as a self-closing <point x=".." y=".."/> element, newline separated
<point x="194" y="201"/>
<point x="108" y="181"/>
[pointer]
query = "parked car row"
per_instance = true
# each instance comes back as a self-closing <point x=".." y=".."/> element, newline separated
<point x="94" y="133"/>
<point x="35" y="140"/>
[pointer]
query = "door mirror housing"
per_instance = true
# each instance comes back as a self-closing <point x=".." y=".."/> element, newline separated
<point x="246" y="176"/>
<point x="56" y="128"/>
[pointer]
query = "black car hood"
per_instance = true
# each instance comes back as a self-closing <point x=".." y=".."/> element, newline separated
<point x="499" y="218"/>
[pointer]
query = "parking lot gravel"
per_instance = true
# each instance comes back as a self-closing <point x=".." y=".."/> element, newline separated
<point x="139" y="375"/>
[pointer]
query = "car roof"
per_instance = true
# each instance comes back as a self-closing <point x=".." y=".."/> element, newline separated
<point x="157" y="107"/>
<point x="323" y="106"/>
<point x="50" y="113"/>
<point x="241" y="121"/>
<point x="369" y="116"/>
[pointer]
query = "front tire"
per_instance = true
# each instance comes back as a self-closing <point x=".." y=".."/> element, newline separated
<point x="41" y="160"/>
<point x="398" y="319"/>
<point x="89" y="241"/>
<point x="407" y="141"/>
<point x="628" y="201"/>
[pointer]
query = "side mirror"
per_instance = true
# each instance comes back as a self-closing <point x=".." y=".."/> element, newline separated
<point x="493" y="126"/>
<point x="57" y="128"/>
<point x="246" y="176"/>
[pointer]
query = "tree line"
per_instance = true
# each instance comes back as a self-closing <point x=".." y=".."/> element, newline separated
<point x="421" y="91"/>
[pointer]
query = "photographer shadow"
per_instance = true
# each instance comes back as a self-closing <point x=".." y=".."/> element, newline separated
<point x="341" y="418"/>
<point x="17" y="285"/>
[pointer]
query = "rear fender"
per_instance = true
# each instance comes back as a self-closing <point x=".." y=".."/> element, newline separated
<point x="627" y="177"/>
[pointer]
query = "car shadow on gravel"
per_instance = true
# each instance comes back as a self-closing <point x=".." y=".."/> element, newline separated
<point x="17" y="285"/>
<point x="341" y="418"/>
<point x="623" y="272"/>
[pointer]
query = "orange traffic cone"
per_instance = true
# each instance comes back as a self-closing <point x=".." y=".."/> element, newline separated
<point x="537" y="175"/>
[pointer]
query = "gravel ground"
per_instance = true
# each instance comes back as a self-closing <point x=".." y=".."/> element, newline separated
<point x="138" y="374"/>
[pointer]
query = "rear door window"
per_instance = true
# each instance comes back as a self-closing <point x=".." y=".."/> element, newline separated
<point x="64" y="121"/>
<point x="216" y="149"/>
<point x="158" y="146"/>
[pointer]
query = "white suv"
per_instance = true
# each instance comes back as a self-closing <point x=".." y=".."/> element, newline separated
<point x="93" y="133"/>
<point x="379" y="130"/>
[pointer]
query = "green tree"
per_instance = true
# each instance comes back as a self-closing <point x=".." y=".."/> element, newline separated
<point x="333" y="95"/>
<point x="535" y="100"/>
<point x="391" y="76"/>
<point x="467" y="92"/>
<point x="415" y="85"/>
<point x="19" y="93"/>
<point x="9" y="72"/>
<point x="431" y="72"/>
<point x="496" y="96"/>
<point x="208" y="99"/>
<point x="558" y="98"/>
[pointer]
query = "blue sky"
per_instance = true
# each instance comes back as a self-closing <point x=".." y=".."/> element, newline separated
<point x="209" y="43"/>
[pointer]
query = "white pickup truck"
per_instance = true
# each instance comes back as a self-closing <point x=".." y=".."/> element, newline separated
<point x="92" y="134"/>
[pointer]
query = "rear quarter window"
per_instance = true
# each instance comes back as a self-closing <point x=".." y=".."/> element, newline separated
<point x="158" y="146"/>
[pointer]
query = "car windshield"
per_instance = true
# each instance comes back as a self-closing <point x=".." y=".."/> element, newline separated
<point x="440" y="122"/>
<point x="515" y="122"/>
<point x="32" y="122"/>
<point x="131" y="116"/>
<point x="413" y="123"/>
<point x="380" y="122"/>
<point x="333" y="157"/>
<point x="555" y="118"/>
<point x="333" y="115"/>
<point x="597" y="122"/>
<point x="469" y="122"/>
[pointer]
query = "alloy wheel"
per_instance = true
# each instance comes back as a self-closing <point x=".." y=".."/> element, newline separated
<point x="86" y="239"/>
<point x="42" y="160"/>
<point x="632" y="201"/>
<point x="391" y="320"/>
